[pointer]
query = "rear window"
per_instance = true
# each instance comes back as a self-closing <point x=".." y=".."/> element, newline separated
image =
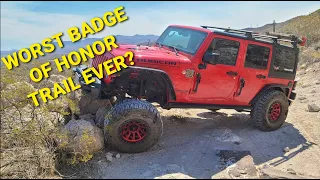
<point x="284" y="60"/>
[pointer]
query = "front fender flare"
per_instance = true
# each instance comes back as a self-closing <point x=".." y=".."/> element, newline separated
<point x="151" y="72"/>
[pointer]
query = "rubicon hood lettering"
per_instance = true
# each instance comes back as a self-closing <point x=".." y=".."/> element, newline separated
<point x="170" y="63"/>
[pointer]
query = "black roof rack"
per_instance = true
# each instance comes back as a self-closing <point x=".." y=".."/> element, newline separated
<point x="275" y="37"/>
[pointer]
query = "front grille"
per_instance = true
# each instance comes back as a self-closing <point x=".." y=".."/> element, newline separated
<point x="98" y="59"/>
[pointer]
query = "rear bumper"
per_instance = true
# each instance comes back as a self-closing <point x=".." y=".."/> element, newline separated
<point x="292" y="95"/>
<point x="94" y="88"/>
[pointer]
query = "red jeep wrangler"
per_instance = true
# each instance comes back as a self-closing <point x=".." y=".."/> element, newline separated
<point x="195" y="67"/>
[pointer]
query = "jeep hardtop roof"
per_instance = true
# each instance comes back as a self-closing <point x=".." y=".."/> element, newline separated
<point x="269" y="37"/>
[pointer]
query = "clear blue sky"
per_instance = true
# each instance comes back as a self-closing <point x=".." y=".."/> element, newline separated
<point x="25" y="23"/>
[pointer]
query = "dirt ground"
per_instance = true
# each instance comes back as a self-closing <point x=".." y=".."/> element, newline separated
<point x="198" y="143"/>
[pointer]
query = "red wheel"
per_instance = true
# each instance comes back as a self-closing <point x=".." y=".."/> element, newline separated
<point x="132" y="126"/>
<point x="270" y="110"/>
<point x="133" y="131"/>
<point x="274" y="111"/>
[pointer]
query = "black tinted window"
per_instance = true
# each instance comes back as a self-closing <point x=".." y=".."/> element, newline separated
<point x="284" y="60"/>
<point x="257" y="56"/>
<point x="227" y="49"/>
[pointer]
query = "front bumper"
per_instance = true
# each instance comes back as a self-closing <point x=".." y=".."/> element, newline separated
<point x="94" y="88"/>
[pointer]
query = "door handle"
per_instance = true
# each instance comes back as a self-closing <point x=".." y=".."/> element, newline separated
<point x="197" y="82"/>
<point x="260" y="76"/>
<point x="232" y="73"/>
<point x="242" y="83"/>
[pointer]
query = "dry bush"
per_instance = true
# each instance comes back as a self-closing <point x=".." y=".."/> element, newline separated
<point x="308" y="56"/>
<point x="27" y="147"/>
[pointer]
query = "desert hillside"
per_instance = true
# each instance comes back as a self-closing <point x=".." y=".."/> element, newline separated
<point x="307" y="25"/>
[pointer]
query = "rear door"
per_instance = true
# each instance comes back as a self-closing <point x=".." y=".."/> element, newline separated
<point x="253" y="71"/>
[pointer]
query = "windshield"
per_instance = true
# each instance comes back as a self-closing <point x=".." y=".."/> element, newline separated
<point x="182" y="39"/>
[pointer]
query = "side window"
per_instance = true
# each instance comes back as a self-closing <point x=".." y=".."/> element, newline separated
<point x="227" y="49"/>
<point x="257" y="56"/>
<point x="284" y="60"/>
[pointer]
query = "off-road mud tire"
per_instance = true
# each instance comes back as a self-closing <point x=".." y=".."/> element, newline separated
<point x="129" y="110"/>
<point x="261" y="109"/>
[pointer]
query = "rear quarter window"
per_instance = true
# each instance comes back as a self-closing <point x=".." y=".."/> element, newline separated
<point x="284" y="60"/>
<point x="257" y="56"/>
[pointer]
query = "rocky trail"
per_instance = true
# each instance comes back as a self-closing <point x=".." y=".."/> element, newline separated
<point x="198" y="143"/>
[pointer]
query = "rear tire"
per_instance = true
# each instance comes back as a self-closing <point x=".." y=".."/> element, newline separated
<point x="270" y="110"/>
<point x="133" y="126"/>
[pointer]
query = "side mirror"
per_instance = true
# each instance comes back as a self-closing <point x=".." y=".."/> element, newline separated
<point x="211" y="58"/>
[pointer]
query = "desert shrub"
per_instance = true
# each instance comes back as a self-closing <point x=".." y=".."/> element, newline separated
<point x="317" y="46"/>
<point x="309" y="56"/>
<point x="28" y="149"/>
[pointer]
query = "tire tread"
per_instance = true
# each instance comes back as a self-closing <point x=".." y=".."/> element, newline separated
<point x="260" y="108"/>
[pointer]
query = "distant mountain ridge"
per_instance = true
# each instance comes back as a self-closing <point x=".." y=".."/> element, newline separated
<point x="121" y="39"/>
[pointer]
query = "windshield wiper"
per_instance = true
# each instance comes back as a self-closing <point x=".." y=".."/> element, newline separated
<point x="159" y="44"/>
<point x="175" y="49"/>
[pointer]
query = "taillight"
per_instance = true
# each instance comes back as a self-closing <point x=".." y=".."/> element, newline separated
<point x="304" y="40"/>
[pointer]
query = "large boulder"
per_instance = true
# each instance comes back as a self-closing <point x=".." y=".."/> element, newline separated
<point x="88" y="117"/>
<point x="100" y="115"/>
<point x="313" y="108"/>
<point x="80" y="136"/>
<point x="90" y="105"/>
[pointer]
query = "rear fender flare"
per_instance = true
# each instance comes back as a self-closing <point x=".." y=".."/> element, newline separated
<point x="268" y="87"/>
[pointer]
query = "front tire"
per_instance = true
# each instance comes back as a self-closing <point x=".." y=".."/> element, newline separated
<point x="133" y="126"/>
<point x="270" y="110"/>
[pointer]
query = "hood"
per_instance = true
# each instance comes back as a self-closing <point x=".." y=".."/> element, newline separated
<point x="152" y="57"/>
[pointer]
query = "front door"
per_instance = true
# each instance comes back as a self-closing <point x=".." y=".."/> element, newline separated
<point x="218" y="82"/>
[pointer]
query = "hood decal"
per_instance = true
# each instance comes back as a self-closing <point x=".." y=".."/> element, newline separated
<point x="159" y="62"/>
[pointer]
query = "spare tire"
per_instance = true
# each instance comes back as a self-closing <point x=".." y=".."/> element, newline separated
<point x="133" y="126"/>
